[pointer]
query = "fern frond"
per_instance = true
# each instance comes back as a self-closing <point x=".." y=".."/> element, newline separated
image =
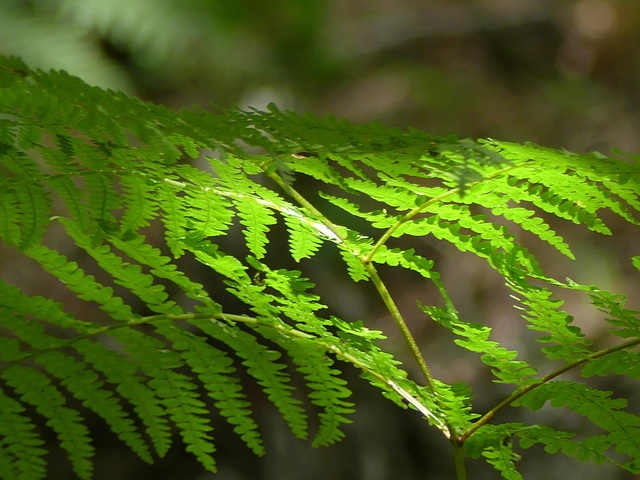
<point x="126" y="274"/>
<point x="176" y="391"/>
<point x="355" y="268"/>
<point x="292" y="296"/>
<point x="328" y="390"/>
<point x="544" y="315"/>
<point x="135" y="247"/>
<point x="620" y="426"/>
<point x="303" y="240"/>
<point x="214" y="369"/>
<point x="497" y="195"/>
<point x="381" y="369"/>
<point x="35" y="388"/>
<point x="622" y="362"/>
<point x="21" y="446"/>
<point x="83" y="285"/>
<point x="451" y="222"/>
<point x="114" y="173"/>
<point x="14" y="302"/>
<point x="558" y="193"/>
<point x="256" y="220"/>
<point x="26" y="204"/>
<point x="140" y="199"/>
<point x="262" y="364"/>
<point x="119" y="371"/>
<point x="503" y="459"/>
<point x="84" y="385"/>
<point x="590" y="449"/>
<point x="62" y="161"/>
<point x="475" y="338"/>
<point x="191" y="208"/>
<point x="626" y="322"/>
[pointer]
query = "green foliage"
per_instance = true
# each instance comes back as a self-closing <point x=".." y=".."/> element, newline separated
<point x="91" y="179"/>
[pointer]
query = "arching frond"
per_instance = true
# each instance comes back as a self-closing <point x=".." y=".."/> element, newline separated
<point x="112" y="197"/>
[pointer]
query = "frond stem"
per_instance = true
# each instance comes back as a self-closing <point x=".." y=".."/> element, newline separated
<point x="401" y="324"/>
<point x="522" y="391"/>
<point x="458" y="459"/>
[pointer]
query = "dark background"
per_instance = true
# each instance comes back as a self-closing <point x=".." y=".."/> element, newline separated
<point x="557" y="73"/>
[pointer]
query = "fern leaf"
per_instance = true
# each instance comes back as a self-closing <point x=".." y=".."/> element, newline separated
<point x="135" y="247"/>
<point x="14" y="302"/>
<point x="262" y="364"/>
<point x="590" y="449"/>
<point x="329" y="394"/>
<point x="80" y="381"/>
<point x="84" y="285"/>
<point x="406" y="258"/>
<point x="9" y="218"/>
<point x="399" y="198"/>
<point x="209" y="254"/>
<point x="31" y="332"/>
<point x="22" y="447"/>
<point x="490" y="435"/>
<point x="208" y="213"/>
<point x="622" y="428"/>
<point x="503" y="459"/>
<point x="328" y="390"/>
<point x="62" y="161"/>
<point x="293" y="298"/>
<point x="454" y="404"/>
<point x="177" y="392"/>
<point x="35" y="388"/>
<point x="497" y="195"/>
<point x="214" y="369"/>
<point x="256" y="220"/>
<point x="593" y="173"/>
<point x="303" y="240"/>
<point x="255" y="203"/>
<point x="190" y="207"/>
<point x="139" y="196"/>
<point x="587" y="450"/>
<point x="543" y="315"/>
<point x="382" y="370"/>
<point x="128" y="275"/>
<point x="486" y="243"/>
<point x="621" y="362"/>
<point x="27" y="208"/>
<point x="86" y="387"/>
<point x="175" y="232"/>
<point x="124" y="374"/>
<point x="626" y="322"/>
<point x="355" y="268"/>
<point x="107" y="166"/>
<point x="475" y="338"/>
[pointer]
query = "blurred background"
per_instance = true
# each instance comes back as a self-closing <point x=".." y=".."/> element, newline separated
<point x="557" y="73"/>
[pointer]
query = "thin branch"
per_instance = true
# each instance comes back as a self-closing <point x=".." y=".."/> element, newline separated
<point x="520" y="392"/>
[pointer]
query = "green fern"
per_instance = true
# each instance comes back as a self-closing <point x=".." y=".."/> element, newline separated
<point x="99" y="190"/>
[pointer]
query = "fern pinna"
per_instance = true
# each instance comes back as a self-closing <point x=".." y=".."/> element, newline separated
<point x="89" y="178"/>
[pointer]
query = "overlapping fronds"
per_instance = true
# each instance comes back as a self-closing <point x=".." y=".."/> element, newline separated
<point x="112" y="197"/>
